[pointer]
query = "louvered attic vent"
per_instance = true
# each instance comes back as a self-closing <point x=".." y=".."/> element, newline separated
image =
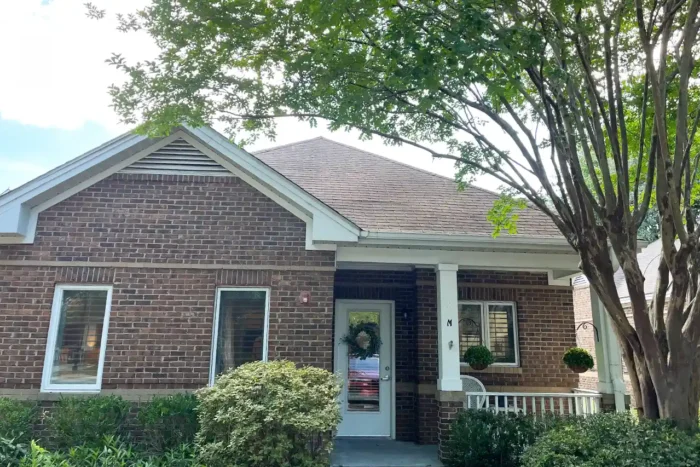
<point x="178" y="158"/>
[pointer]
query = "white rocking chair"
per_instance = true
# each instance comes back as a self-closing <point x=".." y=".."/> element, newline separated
<point x="471" y="384"/>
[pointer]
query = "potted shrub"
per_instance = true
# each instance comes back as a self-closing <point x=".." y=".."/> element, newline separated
<point x="578" y="360"/>
<point x="478" y="357"/>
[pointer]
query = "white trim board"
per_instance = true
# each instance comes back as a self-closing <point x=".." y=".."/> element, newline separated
<point x="466" y="259"/>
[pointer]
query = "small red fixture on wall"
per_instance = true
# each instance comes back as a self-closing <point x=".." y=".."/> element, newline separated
<point x="304" y="298"/>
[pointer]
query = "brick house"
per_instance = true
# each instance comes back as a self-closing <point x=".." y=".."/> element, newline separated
<point x="147" y="266"/>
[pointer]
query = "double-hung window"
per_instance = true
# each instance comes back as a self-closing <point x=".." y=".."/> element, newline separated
<point x="491" y="324"/>
<point x="75" y="350"/>
<point x="241" y="318"/>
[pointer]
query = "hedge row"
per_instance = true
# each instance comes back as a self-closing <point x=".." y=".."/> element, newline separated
<point x="259" y="415"/>
<point x="486" y="439"/>
<point x="165" y="422"/>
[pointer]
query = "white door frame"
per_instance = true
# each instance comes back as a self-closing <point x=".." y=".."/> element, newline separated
<point x="336" y="343"/>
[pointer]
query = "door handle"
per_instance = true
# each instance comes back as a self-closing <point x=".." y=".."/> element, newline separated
<point x="385" y="378"/>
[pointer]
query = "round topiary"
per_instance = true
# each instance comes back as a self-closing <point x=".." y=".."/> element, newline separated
<point x="578" y="360"/>
<point x="478" y="357"/>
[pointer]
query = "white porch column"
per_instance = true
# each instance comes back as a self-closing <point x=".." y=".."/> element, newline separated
<point x="608" y="354"/>
<point x="448" y="328"/>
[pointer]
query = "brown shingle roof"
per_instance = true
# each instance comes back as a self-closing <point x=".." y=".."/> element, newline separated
<point x="380" y="194"/>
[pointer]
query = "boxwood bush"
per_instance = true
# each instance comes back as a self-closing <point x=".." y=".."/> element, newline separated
<point x="76" y="421"/>
<point x="168" y="421"/>
<point x="487" y="439"/>
<point x="614" y="440"/>
<point x="17" y="419"/>
<point x="269" y="414"/>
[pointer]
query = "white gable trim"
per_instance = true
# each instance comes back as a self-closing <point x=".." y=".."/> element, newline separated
<point x="20" y="208"/>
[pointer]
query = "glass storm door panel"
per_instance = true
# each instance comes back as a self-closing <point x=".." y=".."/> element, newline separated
<point x="366" y="400"/>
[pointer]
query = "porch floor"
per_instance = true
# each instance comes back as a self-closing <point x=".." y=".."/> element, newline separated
<point x="371" y="452"/>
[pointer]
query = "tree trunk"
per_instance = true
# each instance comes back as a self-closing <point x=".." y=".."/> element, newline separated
<point x="648" y="399"/>
<point x="680" y="403"/>
<point x="598" y="267"/>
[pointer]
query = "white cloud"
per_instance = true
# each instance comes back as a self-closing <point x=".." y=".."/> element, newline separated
<point x="53" y="61"/>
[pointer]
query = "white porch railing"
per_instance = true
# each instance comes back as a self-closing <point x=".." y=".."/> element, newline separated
<point x="536" y="403"/>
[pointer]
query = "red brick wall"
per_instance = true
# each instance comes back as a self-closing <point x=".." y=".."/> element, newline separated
<point x="170" y="219"/>
<point x="161" y="318"/>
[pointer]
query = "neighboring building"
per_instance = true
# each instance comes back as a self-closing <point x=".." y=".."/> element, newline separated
<point x="586" y="333"/>
<point x="147" y="266"/>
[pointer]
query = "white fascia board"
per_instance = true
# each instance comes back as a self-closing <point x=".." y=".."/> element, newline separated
<point x="13" y="222"/>
<point x="463" y="241"/>
<point x="543" y="262"/>
<point x="328" y="225"/>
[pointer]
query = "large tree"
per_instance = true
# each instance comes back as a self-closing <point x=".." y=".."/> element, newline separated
<point x="585" y="108"/>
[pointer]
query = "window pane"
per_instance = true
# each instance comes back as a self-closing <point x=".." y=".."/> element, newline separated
<point x="79" y="337"/>
<point x="502" y="333"/>
<point x="241" y="328"/>
<point x="363" y="375"/>
<point x="470" y="326"/>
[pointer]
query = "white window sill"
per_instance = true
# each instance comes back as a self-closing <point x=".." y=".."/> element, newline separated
<point x="88" y="390"/>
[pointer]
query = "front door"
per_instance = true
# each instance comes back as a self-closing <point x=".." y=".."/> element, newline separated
<point x="366" y="399"/>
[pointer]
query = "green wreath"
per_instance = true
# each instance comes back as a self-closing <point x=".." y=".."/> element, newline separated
<point x="362" y="340"/>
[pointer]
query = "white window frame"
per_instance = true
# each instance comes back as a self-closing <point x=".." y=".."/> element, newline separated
<point x="46" y="385"/>
<point x="486" y="335"/>
<point x="215" y="325"/>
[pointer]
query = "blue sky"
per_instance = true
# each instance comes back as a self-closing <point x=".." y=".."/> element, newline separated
<point x="54" y="104"/>
<point x="27" y="151"/>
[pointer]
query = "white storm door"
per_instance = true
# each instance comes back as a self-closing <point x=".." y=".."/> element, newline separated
<point x="366" y="399"/>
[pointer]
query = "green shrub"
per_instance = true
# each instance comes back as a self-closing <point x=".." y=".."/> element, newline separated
<point x="578" y="358"/>
<point x="11" y="452"/>
<point x="614" y="440"/>
<point x="17" y="419"/>
<point x="169" y="421"/>
<point x="113" y="453"/>
<point x="269" y="415"/>
<point x="75" y="421"/>
<point x="487" y="439"/>
<point x="478" y="357"/>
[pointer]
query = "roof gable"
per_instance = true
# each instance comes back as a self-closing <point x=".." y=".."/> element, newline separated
<point x="184" y="149"/>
